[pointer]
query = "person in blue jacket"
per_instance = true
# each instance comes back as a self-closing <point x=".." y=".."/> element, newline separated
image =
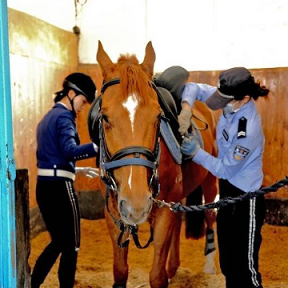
<point x="240" y="141"/>
<point x="58" y="148"/>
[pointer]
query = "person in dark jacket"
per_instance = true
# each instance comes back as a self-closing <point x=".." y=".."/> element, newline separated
<point x="58" y="148"/>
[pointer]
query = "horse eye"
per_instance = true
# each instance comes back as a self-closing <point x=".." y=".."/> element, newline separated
<point x="106" y="122"/>
<point x="105" y="118"/>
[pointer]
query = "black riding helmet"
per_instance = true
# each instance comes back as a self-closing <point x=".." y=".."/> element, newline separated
<point x="81" y="84"/>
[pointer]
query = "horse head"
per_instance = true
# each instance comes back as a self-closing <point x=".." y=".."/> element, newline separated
<point x="129" y="125"/>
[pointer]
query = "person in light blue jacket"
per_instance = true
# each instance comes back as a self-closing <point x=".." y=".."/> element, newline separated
<point x="58" y="148"/>
<point x="240" y="141"/>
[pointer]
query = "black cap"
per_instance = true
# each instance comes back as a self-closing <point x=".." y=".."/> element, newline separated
<point x="234" y="83"/>
<point x="81" y="84"/>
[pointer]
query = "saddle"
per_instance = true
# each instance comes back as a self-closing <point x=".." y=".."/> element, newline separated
<point x="171" y="84"/>
<point x="173" y="79"/>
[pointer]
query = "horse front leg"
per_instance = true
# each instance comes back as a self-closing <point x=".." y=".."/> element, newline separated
<point x="174" y="255"/>
<point x="120" y="264"/>
<point x="164" y="225"/>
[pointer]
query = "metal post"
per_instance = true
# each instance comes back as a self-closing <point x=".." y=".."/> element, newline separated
<point x="7" y="163"/>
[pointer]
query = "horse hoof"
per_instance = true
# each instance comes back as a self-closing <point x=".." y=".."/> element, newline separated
<point x="118" y="286"/>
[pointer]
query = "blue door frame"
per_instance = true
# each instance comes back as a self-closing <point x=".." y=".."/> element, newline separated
<point x="8" y="271"/>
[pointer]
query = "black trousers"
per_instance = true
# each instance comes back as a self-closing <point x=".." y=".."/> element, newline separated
<point x="239" y="238"/>
<point x="58" y="204"/>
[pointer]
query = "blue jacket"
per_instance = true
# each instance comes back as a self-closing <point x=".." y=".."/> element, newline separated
<point x="58" y="142"/>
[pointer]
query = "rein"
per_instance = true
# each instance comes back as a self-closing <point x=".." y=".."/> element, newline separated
<point x="108" y="163"/>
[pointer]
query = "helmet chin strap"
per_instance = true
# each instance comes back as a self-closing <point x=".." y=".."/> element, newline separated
<point x="72" y="105"/>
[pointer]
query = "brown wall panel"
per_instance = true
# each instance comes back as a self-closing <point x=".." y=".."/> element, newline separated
<point x="35" y="38"/>
<point x="41" y="55"/>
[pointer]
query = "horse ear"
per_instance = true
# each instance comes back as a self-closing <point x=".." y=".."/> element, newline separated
<point x="102" y="58"/>
<point x="149" y="60"/>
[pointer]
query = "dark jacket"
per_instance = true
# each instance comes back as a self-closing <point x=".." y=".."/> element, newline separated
<point x="58" y="142"/>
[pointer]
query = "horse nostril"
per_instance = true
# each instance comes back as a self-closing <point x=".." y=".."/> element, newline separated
<point x="122" y="208"/>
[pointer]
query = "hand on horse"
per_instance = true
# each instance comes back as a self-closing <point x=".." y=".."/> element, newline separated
<point x="87" y="171"/>
<point x="189" y="146"/>
<point x="184" y="120"/>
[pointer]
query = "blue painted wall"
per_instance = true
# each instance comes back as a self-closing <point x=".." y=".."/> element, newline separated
<point x="7" y="163"/>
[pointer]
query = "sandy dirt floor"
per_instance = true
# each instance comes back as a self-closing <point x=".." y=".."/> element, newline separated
<point x="94" y="268"/>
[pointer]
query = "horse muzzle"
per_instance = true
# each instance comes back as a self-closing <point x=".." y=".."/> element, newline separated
<point x="134" y="214"/>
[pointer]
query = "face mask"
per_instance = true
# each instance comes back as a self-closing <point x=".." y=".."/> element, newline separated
<point x="229" y="108"/>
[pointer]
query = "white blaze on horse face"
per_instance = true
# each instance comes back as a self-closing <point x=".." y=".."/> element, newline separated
<point x="131" y="105"/>
<point x="130" y="179"/>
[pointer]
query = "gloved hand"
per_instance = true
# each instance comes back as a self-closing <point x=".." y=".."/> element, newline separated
<point x="87" y="171"/>
<point x="184" y="120"/>
<point x="189" y="146"/>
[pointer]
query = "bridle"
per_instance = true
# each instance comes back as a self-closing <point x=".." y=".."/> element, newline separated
<point x="108" y="162"/>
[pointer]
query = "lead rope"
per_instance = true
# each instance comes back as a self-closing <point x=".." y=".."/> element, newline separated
<point x="178" y="207"/>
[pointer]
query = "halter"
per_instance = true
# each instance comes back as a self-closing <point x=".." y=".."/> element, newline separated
<point x="108" y="163"/>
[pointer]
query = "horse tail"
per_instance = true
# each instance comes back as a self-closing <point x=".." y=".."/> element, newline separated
<point x="195" y="221"/>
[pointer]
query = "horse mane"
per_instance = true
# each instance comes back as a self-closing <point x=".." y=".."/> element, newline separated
<point x="133" y="78"/>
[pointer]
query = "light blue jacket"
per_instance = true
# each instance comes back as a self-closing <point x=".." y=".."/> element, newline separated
<point x="239" y="159"/>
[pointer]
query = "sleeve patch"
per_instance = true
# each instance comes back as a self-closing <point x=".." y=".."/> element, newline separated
<point x="240" y="152"/>
<point x="225" y="135"/>
<point x="242" y="127"/>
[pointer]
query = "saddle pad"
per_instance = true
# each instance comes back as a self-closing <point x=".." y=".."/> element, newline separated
<point x="196" y="133"/>
<point x="171" y="142"/>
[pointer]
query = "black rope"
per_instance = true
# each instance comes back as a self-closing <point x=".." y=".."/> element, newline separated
<point x="229" y="200"/>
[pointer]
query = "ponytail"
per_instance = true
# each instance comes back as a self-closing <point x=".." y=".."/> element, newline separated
<point x="258" y="91"/>
<point x="61" y="94"/>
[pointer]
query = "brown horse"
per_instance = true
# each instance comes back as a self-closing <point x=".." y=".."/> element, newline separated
<point x="130" y="145"/>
